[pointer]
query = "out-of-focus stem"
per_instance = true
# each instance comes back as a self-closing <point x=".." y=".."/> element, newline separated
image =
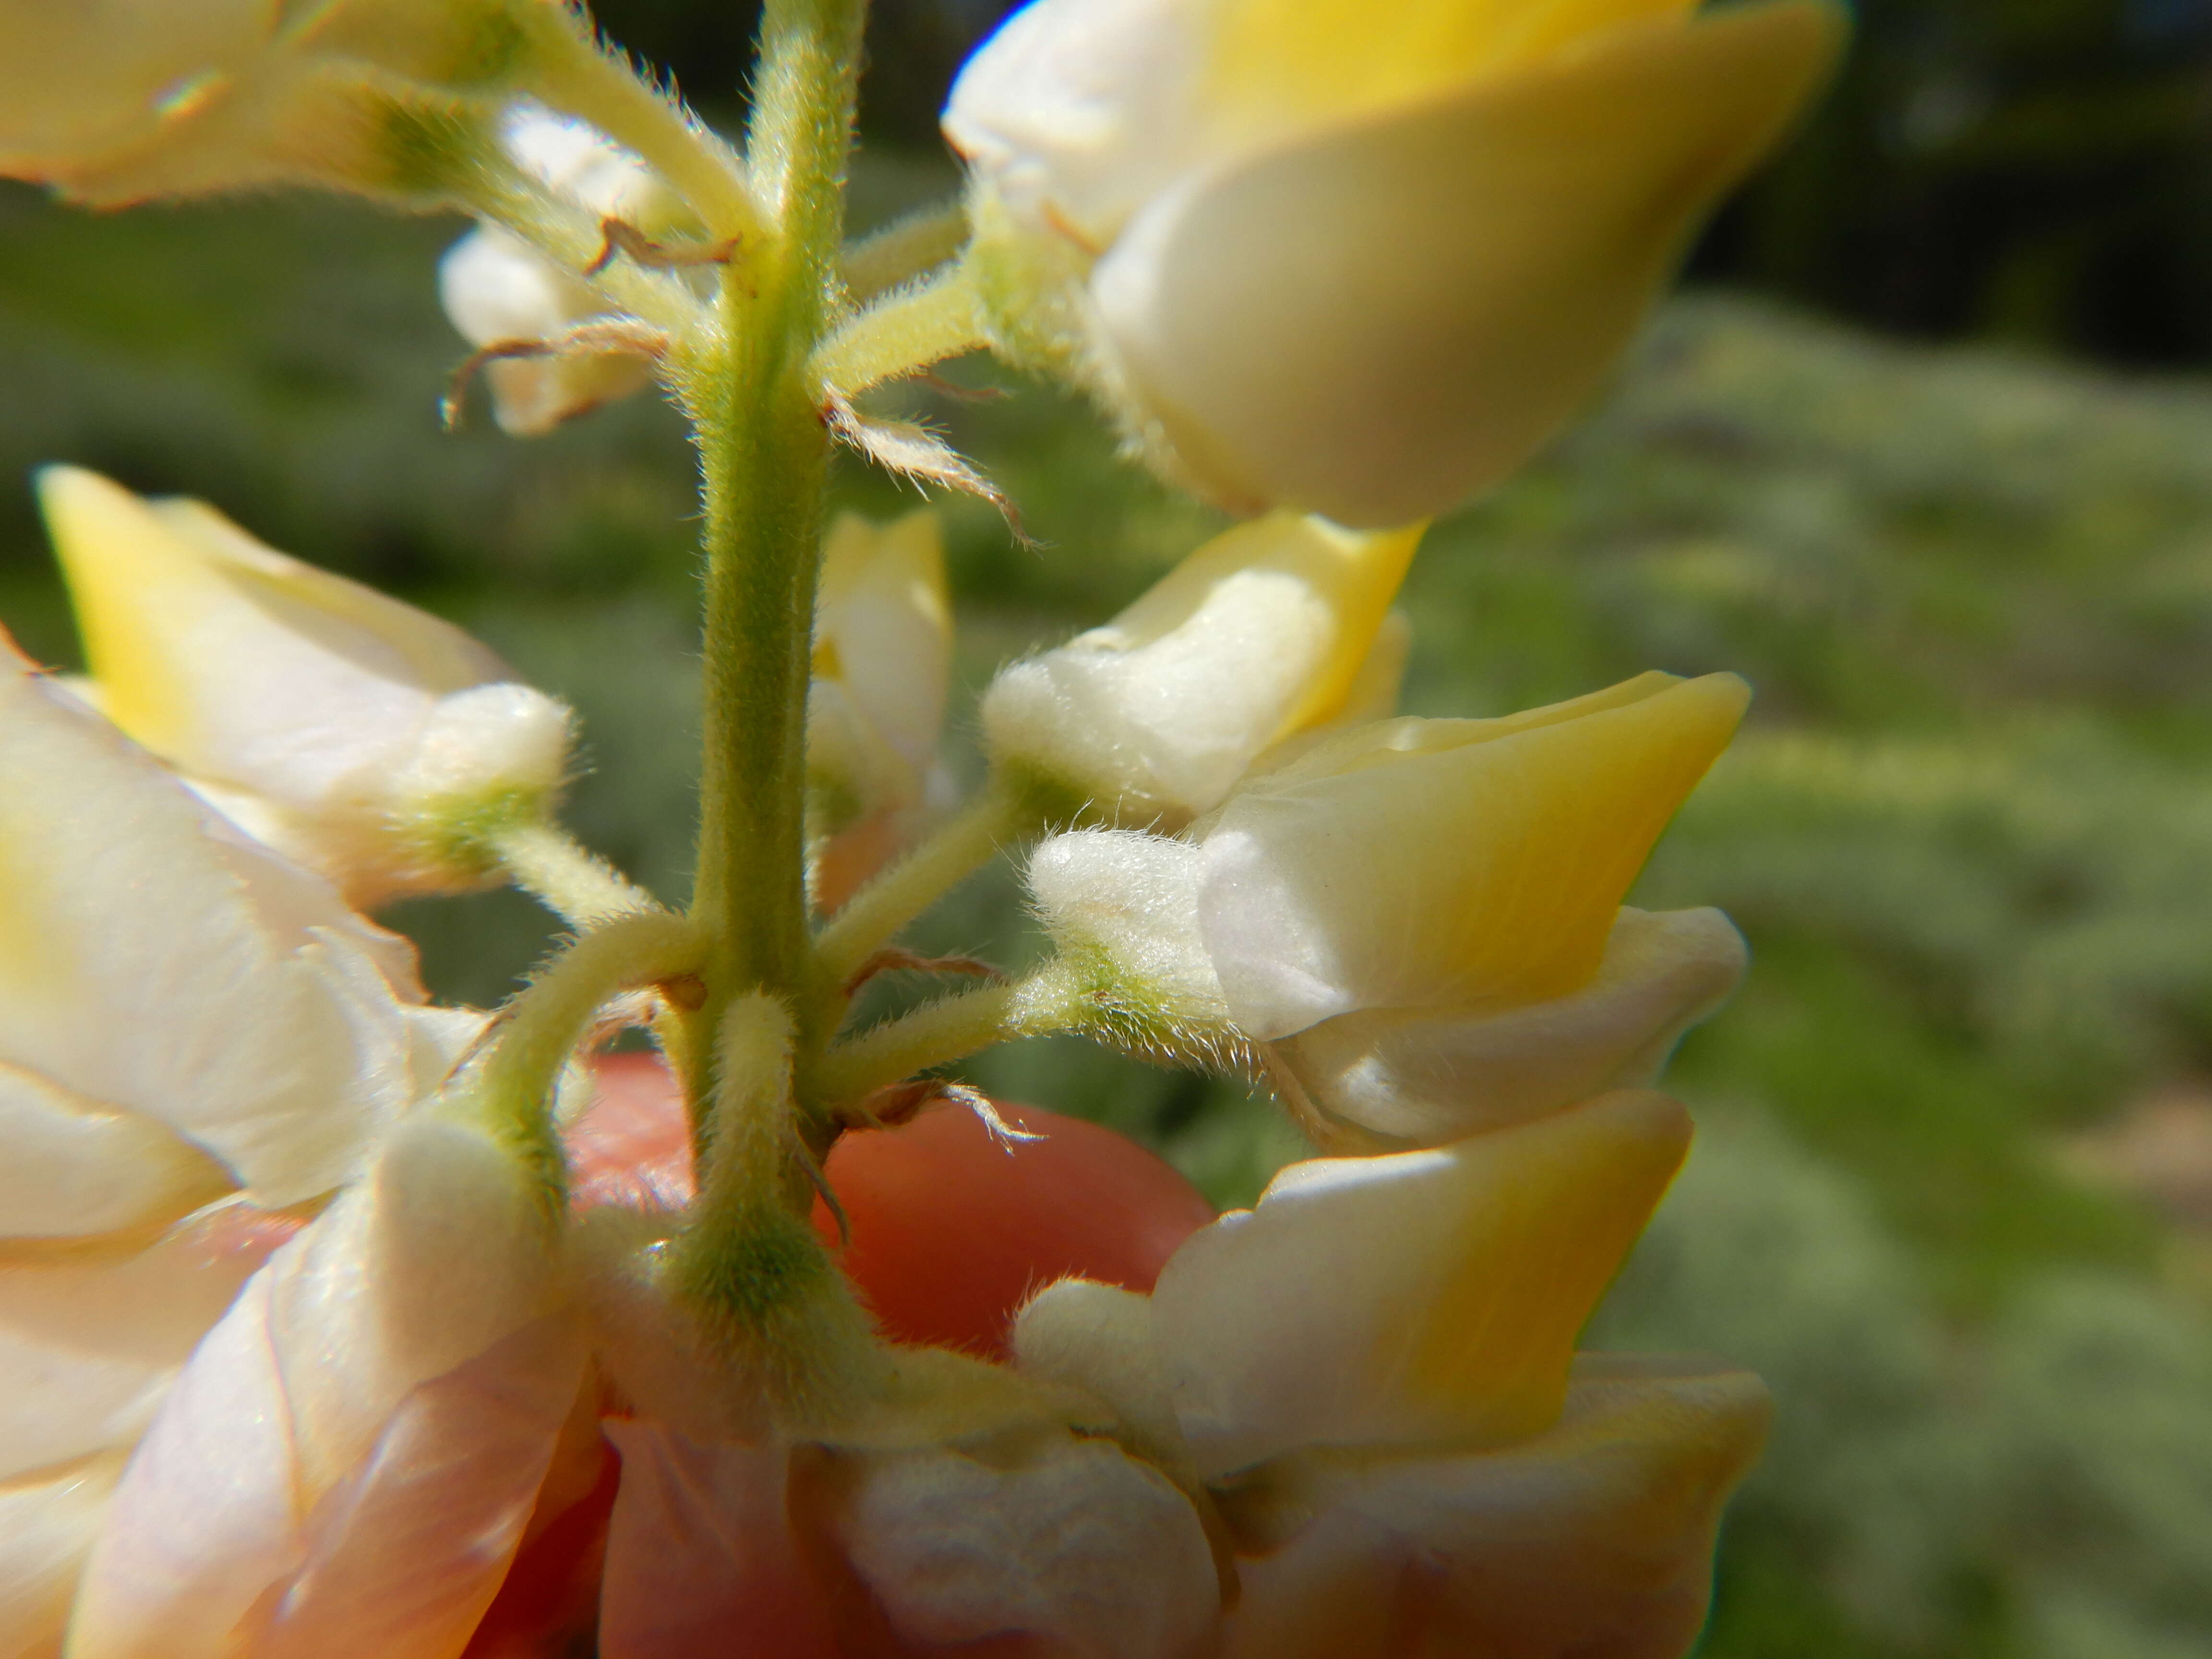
<point x="903" y="334"/>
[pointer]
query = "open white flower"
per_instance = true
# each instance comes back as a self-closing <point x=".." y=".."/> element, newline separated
<point x="1420" y="920"/>
<point x="883" y="658"/>
<point x="1373" y="1372"/>
<point x="1360" y="260"/>
<point x="365" y="738"/>
<point x="194" y="1034"/>
<point x="1271" y="630"/>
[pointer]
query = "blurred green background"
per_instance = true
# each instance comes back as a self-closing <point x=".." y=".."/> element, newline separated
<point x="1954" y="1191"/>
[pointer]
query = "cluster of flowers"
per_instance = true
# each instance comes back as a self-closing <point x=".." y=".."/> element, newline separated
<point x="334" y="1322"/>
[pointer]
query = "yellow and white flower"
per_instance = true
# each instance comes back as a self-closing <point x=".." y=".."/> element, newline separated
<point x="1373" y="1372"/>
<point x="883" y="659"/>
<point x="366" y="738"/>
<point x="1274" y="629"/>
<point x="1359" y="260"/>
<point x="1420" y="920"/>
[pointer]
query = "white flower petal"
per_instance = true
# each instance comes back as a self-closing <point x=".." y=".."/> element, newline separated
<point x="89" y="1341"/>
<point x="1257" y="636"/>
<point x="403" y="1557"/>
<point x="1418" y="1297"/>
<point x="205" y="1517"/>
<point x="496" y="288"/>
<point x="1080" y="1545"/>
<point x="1464" y="865"/>
<point x="75" y="1166"/>
<point x="1077" y="110"/>
<point x="440" y="1251"/>
<point x="402" y="1362"/>
<point x="883" y="628"/>
<point x="259" y="1026"/>
<point x="234" y="662"/>
<point x="1131" y="897"/>
<point x="1429" y="1076"/>
<point x="1099" y="1338"/>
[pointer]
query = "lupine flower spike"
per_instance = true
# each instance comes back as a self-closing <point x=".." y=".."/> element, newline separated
<point x="335" y="1322"/>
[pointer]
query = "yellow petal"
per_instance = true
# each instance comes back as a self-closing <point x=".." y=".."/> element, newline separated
<point x="1474" y="864"/>
<point x="884" y="626"/>
<point x="1278" y="66"/>
<point x="230" y="660"/>
<point x="1419" y="1298"/>
<point x="1261" y="633"/>
<point x="1379" y="320"/>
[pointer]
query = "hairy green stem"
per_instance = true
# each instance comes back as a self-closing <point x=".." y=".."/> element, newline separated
<point x="764" y="457"/>
<point x="904" y="333"/>
<point x="955" y="850"/>
<point x="576" y="74"/>
<point x="951" y="1028"/>
<point x="905" y="249"/>
<point x="575" y="883"/>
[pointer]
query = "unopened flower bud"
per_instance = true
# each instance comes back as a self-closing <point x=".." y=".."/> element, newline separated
<point x="495" y="288"/>
<point x="882" y="653"/>
<point x="367" y="738"/>
<point x="1263" y="633"/>
<point x="1361" y="261"/>
<point x="1420" y="920"/>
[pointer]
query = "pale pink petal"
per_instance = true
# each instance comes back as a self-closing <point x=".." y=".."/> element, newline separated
<point x="206" y="1516"/>
<point x="701" y="1559"/>
<point x="88" y="1343"/>
<point x="403" y="1558"/>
